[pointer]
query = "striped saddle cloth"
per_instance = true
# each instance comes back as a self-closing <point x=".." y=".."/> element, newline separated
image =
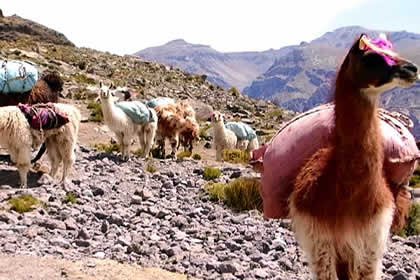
<point x="43" y="116"/>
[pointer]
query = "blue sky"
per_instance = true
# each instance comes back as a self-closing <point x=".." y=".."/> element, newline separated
<point x="389" y="15"/>
<point x="127" y="26"/>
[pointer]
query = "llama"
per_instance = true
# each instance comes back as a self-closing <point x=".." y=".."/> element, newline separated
<point x="176" y="121"/>
<point x="189" y="134"/>
<point x="342" y="206"/>
<point x="280" y="160"/>
<point x="19" y="139"/>
<point x="124" y="124"/>
<point x="223" y="137"/>
<point x="47" y="89"/>
<point x="247" y="138"/>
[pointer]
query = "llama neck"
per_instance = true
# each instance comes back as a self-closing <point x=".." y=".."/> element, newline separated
<point x="358" y="146"/>
<point x="108" y="108"/>
<point x="219" y="129"/>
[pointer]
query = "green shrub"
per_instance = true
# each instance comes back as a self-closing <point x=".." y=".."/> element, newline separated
<point x="70" y="197"/>
<point x="196" y="156"/>
<point x="150" y="167"/>
<point x="413" y="221"/>
<point x="24" y="203"/>
<point x="234" y="91"/>
<point x="235" y="156"/>
<point x="275" y="113"/>
<point x="96" y="114"/>
<point x="183" y="154"/>
<point x="415" y="179"/>
<point x="240" y="194"/>
<point x="83" y="79"/>
<point x="210" y="173"/>
<point x="109" y="148"/>
<point x="243" y="194"/>
<point x="216" y="191"/>
<point x="203" y="131"/>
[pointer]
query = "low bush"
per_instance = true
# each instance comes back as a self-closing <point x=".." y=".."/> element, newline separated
<point x="240" y="194"/>
<point x="415" y="179"/>
<point x="109" y="148"/>
<point x="70" y="197"/>
<point x="211" y="173"/>
<point x="196" y="156"/>
<point x="235" y="156"/>
<point x="412" y="226"/>
<point x="24" y="203"/>
<point x="150" y="167"/>
<point x="183" y="154"/>
<point x="96" y="114"/>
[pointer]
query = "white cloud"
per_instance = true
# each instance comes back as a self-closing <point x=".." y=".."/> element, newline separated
<point x="124" y="26"/>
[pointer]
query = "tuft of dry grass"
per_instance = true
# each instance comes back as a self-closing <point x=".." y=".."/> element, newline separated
<point x="235" y="156"/>
<point x="183" y="154"/>
<point x="240" y="194"/>
<point x="211" y="173"/>
<point x="96" y="114"/>
<point x="196" y="156"/>
<point x="413" y="221"/>
<point x="24" y="203"/>
<point x="415" y="179"/>
<point x="150" y="166"/>
<point x="70" y="198"/>
<point x="109" y="148"/>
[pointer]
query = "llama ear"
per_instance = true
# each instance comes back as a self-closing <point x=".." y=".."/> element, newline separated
<point x="112" y="86"/>
<point x="100" y="84"/>
<point x="363" y="42"/>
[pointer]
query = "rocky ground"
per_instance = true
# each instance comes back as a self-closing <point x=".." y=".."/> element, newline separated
<point x="162" y="219"/>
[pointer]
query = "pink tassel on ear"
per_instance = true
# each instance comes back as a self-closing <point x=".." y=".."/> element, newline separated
<point x="383" y="43"/>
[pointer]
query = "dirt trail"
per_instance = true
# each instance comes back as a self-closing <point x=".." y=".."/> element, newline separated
<point x="49" y="268"/>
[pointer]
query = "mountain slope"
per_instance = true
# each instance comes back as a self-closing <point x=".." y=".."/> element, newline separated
<point x="14" y="28"/>
<point x="225" y="69"/>
<point x="303" y="77"/>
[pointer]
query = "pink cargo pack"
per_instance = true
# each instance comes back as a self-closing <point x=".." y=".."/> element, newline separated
<point x="298" y="139"/>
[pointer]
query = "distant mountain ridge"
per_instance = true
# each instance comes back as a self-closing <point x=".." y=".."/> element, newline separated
<point x="296" y="77"/>
<point x="225" y="69"/>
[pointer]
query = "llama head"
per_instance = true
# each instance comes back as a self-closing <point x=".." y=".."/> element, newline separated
<point x="372" y="67"/>
<point x="217" y="117"/>
<point x="106" y="92"/>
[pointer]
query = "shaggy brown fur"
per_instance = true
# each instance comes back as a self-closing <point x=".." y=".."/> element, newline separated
<point x="341" y="205"/>
<point x="175" y="122"/>
<point x="47" y="89"/>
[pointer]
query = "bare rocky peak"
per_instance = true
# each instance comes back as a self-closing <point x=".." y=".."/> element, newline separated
<point x="14" y="28"/>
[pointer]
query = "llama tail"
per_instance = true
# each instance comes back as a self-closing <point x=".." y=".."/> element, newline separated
<point x="54" y="81"/>
<point x="40" y="153"/>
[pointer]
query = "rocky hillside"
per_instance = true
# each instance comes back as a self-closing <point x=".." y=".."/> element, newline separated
<point x="83" y="68"/>
<point x="119" y="211"/>
<point x="14" y="28"/>
<point x="225" y="69"/>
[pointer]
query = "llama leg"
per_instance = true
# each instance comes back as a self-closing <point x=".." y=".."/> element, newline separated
<point x="174" y="144"/>
<point x="148" y="136"/>
<point x="68" y="156"/>
<point x="161" y="146"/>
<point x="319" y="250"/>
<point x="53" y="154"/>
<point x="22" y="157"/>
<point x="218" y="154"/>
<point x="375" y="245"/>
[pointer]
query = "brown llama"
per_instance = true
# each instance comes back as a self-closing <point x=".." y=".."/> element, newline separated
<point x="342" y="206"/>
<point x="47" y="89"/>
